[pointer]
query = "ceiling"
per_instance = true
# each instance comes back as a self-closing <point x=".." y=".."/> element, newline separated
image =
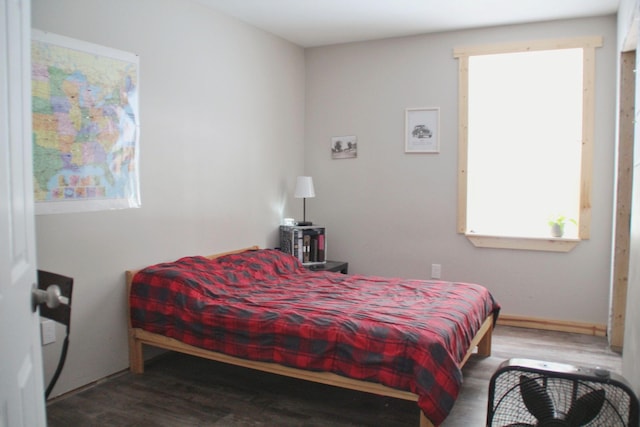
<point x="309" y="23"/>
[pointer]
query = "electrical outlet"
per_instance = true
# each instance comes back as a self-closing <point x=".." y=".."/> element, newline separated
<point x="48" y="331"/>
<point x="436" y="271"/>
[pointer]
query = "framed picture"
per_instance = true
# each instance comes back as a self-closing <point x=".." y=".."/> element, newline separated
<point x="422" y="130"/>
<point x="344" y="147"/>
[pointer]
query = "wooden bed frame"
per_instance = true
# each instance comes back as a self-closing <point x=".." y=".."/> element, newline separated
<point x="138" y="337"/>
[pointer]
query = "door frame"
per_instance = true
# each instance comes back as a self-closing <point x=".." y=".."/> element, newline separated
<point x="624" y="185"/>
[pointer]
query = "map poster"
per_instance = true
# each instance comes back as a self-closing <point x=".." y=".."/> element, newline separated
<point x="85" y="125"/>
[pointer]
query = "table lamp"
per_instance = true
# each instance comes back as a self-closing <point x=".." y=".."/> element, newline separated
<point x="304" y="189"/>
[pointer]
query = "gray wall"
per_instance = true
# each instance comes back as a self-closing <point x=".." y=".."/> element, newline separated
<point x="222" y="118"/>
<point x="391" y="213"/>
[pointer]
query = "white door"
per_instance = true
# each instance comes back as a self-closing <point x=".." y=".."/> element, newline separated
<point x="21" y="379"/>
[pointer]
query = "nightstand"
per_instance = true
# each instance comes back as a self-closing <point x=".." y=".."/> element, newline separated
<point x="337" y="266"/>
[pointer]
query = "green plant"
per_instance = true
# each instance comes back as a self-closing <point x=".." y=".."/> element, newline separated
<point x="557" y="224"/>
<point x="561" y="220"/>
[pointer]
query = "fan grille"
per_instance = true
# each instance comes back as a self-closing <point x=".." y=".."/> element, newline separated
<point x="507" y="407"/>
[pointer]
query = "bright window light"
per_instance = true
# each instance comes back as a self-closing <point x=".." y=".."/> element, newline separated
<point x="525" y="113"/>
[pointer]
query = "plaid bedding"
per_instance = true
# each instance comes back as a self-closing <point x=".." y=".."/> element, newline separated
<point x="264" y="305"/>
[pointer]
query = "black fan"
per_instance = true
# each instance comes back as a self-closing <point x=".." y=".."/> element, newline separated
<point x="530" y="393"/>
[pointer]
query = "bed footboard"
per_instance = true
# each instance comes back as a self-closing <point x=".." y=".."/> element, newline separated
<point x="138" y="337"/>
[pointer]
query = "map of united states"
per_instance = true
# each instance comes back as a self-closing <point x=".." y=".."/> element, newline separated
<point x="85" y="125"/>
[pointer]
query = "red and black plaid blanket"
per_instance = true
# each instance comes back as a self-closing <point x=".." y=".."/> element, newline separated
<point x="264" y="305"/>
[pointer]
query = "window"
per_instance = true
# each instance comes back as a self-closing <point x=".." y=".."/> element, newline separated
<point x="525" y="142"/>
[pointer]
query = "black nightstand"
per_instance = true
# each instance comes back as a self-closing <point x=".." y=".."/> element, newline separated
<point x="337" y="266"/>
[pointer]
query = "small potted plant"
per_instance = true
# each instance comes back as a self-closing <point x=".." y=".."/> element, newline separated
<point x="557" y="225"/>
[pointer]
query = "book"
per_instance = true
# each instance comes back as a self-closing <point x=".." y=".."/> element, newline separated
<point x="313" y="256"/>
<point x="306" y="242"/>
<point x="321" y="248"/>
<point x="300" y="252"/>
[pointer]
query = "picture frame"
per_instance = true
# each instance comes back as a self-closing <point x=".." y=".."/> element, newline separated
<point x="344" y="147"/>
<point x="422" y="130"/>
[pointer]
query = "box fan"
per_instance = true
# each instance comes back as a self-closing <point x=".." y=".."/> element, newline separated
<point x="524" y="392"/>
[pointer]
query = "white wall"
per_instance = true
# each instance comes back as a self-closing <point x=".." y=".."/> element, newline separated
<point x="627" y="28"/>
<point x="222" y="118"/>
<point x="391" y="213"/>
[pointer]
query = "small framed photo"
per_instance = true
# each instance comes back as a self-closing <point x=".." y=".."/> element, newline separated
<point x="422" y="130"/>
<point x="344" y="147"/>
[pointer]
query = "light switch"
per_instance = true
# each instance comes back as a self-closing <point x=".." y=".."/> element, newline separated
<point x="436" y="271"/>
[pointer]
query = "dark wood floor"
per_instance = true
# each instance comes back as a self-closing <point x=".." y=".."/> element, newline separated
<point x="178" y="390"/>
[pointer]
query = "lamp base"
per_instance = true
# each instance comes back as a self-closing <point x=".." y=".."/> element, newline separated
<point x="304" y="223"/>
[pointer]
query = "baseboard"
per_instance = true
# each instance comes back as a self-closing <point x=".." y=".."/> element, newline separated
<point x="157" y="356"/>
<point x="594" y="329"/>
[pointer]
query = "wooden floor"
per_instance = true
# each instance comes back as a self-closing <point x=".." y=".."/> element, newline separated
<point x="178" y="390"/>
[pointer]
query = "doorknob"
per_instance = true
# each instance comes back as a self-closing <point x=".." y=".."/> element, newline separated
<point x="51" y="297"/>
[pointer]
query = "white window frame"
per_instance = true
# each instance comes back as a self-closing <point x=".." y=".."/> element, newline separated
<point x="588" y="44"/>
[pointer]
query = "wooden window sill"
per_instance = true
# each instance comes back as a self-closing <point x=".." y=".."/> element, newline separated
<point x="550" y="244"/>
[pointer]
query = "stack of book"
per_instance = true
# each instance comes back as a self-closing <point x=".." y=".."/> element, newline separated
<point x="307" y="243"/>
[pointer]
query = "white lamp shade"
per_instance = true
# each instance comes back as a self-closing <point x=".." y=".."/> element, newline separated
<point x="304" y="187"/>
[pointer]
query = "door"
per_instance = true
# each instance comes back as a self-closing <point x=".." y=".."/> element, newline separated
<point x="21" y="378"/>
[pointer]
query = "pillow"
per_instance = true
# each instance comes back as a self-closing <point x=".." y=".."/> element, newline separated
<point x="261" y="263"/>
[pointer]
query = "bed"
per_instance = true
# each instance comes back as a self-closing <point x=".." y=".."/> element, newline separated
<point x="262" y="309"/>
